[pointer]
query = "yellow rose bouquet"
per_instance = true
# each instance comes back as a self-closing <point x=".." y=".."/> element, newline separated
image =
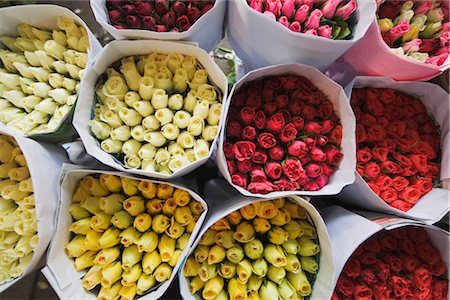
<point x="265" y="250"/>
<point x="129" y="235"/>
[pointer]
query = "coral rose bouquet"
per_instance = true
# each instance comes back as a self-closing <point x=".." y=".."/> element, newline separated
<point x="282" y="134"/>
<point x="188" y="20"/>
<point x="120" y="236"/>
<point x="157" y="113"/>
<point x="417" y="30"/>
<point x="402" y="147"/>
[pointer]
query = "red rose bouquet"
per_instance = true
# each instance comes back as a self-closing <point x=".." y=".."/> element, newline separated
<point x="330" y="19"/>
<point x="157" y="15"/>
<point x="398" y="145"/>
<point x="282" y="134"/>
<point x="396" y="264"/>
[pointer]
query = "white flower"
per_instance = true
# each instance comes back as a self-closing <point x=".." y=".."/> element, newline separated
<point x="214" y="114"/>
<point x="151" y="123"/>
<point x="181" y="119"/>
<point x="186" y="140"/>
<point x="164" y="115"/>
<point x="201" y="109"/>
<point x="144" y="108"/>
<point x="159" y="99"/>
<point x="111" y="146"/>
<point x="148" y="151"/>
<point x="157" y="139"/>
<point x="99" y="129"/>
<point x="170" y="131"/>
<point x="201" y="149"/>
<point x="132" y="161"/>
<point x="210" y="132"/>
<point x="138" y="133"/>
<point x="196" y="125"/>
<point x="176" y="102"/>
<point x="131" y="98"/>
<point x="162" y="157"/>
<point x="177" y="162"/>
<point x="121" y="133"/>
<point x="131" y="147"/>
<point x="129" y="116"/>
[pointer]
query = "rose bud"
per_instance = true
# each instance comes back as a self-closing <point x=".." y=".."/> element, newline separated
<point x="128" y="9"/>
<point x="321" y="140"/>
<point x="258" y="175"/>
<point x="193" y="13"/>
<point x="283" y="20"/>
<point x="169" y="19"/>
<point x="278" y="235"/>
<point x="244" y="166"/>
<point x="236" y="289"/>
<point x="207" y="8"/>
<point x="244" y="271"/>
<point x="244" y="233"/>
<point x="160" y="28"/>
<point x="322" y="180"/>
<point x="231" y="165"/>
<point x="317" y="154"/>
<point x="256" y="5"/>
<point x="313" y="20"/>
<point x="276" y="123"/>
<point x="261" y="225"/>
<point x="179" y="8"/>
<point x="300" y="282"/>
<point x="234" y="129"/>
<point x="212" y="288"/>
<point x="297" y="149"/>
<point x="325" y="31"/>
<point x="268" y="291"/>
<point x="248" y="133"/>
<point x="275" y="255"/>
<point x="274" y="170"/>
<point x="161" y="6"/>
<point x="149" y="22"/>
<point x="133" y="21"/>
<point x="183" y="23"/>
<point x="144" y="8"/>
<point x="313" y="127"/>
<point x="346" y="10"/>
<point x="309" y="264"/>
<point x="216" y="255"/>
<point x="276" y="153"/>
<point x="311" y="186"/>
<point x="270" y="107"/>
<point x="276" y="274"/>
<point x="333" y="155"/>
<point x="290" y="246"/>
<point x="239" y="180"/>
<point x="249" y="212"/>
<point x="235" y="254"/>
<point x="115" y="16"/>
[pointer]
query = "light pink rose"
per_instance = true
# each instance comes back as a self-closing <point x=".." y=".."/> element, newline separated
<point x="423" y="7"/>
<point x="314" y="19"/>
<point x="256" y="5"/>
<point x="325" y="31"/>
<point x="311" y="32"/>
<point x="283" y="20"/>
<point x="274" y="6"/>
<point x="288" y="8"/>
<point x="295" y="26"/>
<point x="329" y="8"/>
<point x="397" y="32"/>
<point x="270" y="15"/>
<point x="346" y="10"/>
<point x="302" y="13"/>
<point x="438" y="59"/>
<point x="412" y="46"/>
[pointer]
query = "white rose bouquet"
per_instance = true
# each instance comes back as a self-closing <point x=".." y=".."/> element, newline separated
<point x="40" y="73"/>
<point x="156" y="112"/>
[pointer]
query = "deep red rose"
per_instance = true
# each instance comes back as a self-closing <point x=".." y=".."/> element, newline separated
<point x="368" y="258"/>
<point x="312" y="186"/>
<point x="161" y="6"/>
<point x="266" y="140"/>
<point x="325" y="110"/>
<point x="254" y="100"/>
<point x="144" y="8"/>
<point x="374" y="187"/>
<point x="268" y="93"/>
<point x="239" y="99"/>
<point x="402" y="160"/>
<point x="286" y="114"/>
<point x="120" y="27"/>
<point x="352" y="268"/>
<point x="259" y="158"/>
<point x="427" y="253"/>
<point x="327" y="170"/>
<point x="288" y="133"/>
<point x="368" y="277"/>
<point x="233" y="114"/>
<point x="399" y="183"/>
<point x="333" y="155"/>
<point x="183" y="23"/>
<point x="388" y="242"/>
<point x="193" y="13"/>
<point x="408" y="171"/>
<point x="228" y="150"/>
<point x="368" y="120"/>
<point x="397" y="128"/>
<point x="207" y="8"/>
<point x="231" y="165"/>
<point x="248" y="133"/>
<point x="336" y="134"/>
<point x="261" y="187"/>
<point x="244" y="166"/>
<point x="293" y="169"/>
<point x="401" y="286"/>
<point x="128" y="9"/>
<point x="372" y="245"/>
<point x="380" y="154"/>
<point x="276" y="153"/>
<point x="297" y="149"/>
<point x="260" y="119"/>
<point x="438" y="269"/>
<point x="234" y="129"/>
<point x="313" y="128"/>
<point x="169" y="19"/>
<point x="420" y="162"/>
<point x="384" y="182"/>
<point x="310" y="142"/>
<point x="404" y="143"/>
<point x="382" y="292"/>
<point x="360" y="250"/>
<point x="133" y="21"/>
<point x="409" y="263"/>
<point x="407" y="246"/>
<point x="247" y="114"/>
<point x="362" y="292"/>
<point x="345" y="286"/>
<point x="257" y="174"/>
<point x="149" y="22"/>
<point x="239" y="180"/>
<point x="381" y="270"/>
<point x="316" y="154"/>
<point x="296" y="106"/>
<point x="276" y="123"/>
<point x="421" y="278"/>
<point x="313" y="170"/>
<point x="308" y="112"/>
<point x="286" y="185"/>
<point x="322" y="180"/>
<point x="401" y="205"/>
<point x="282" y="101"/>
<point x="291" y="82"/>
<point x="298" y="122"/>
<point x="394" y="263"/>
<point x="372" y="170"/>
<point x="244" y="150"/>
<point x="274" y="170"/>
<point x="440" y="289"/>
<point x="270" y="107"/>
<point x="179" y="8"/>
<point x="411" y="194"/>
<point x="376" y="133"/>
<point x="418" y="234"/>
<point x="321" y="140"/>
<point x="361" y="135"/>
<point x="384" y="122"/>
<point x="335" y="296"/>
<point x="115" y="16"/>
<point x="387" y="96"/>
<point x="390" y="167"/>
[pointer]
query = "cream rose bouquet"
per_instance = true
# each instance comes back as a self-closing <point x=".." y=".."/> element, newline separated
<point x="40" y="75"/>
<point x="18" y="230"/>
<point x="157" y="112"/>
<point x="128" y="234"/>
<point x="264" y="250"/>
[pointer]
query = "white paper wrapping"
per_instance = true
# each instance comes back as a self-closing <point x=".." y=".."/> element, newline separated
<point x="39" y="157"/>
<point x="44" y="17"/>
<point x="260" y="42"/>
<point x="344" y="175"/>
<point x="207" y="30"/>
<point x="110" y="54"/>
<point x="60" y="271"/>
<point x="223" y="203"/>
<point x="434" y="205"/>
<point x="348" y="230"/>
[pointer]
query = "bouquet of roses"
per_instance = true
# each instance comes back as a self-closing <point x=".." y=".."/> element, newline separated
<point x="282" y="134"/>
<point x="129" y="234"/>
<point x="18" y="230"/>
<point x="40" y="75"/>
<point x="330" y="19"/>
<point x="264" y="250"/>
<point x="396" y="264"/>
<point x="156" y="15"/>
<point x="398" y="145"/>
<point x="157" y="112"/>
<point x="416" y="29"/>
